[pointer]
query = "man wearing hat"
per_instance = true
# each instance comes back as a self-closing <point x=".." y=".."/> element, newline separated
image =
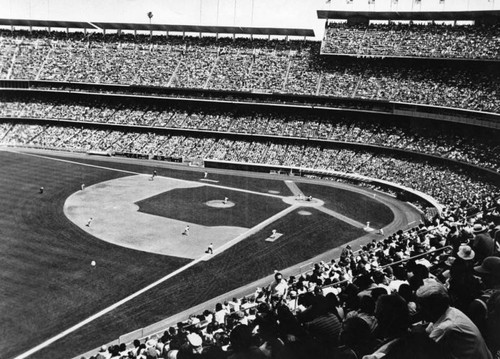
<point x="151" y="353"/>
<point x="466" y="253"/>
<point x="489" y="270"/>
<point x="482" y="243"/>
<point x="103" y="353"/>
<point x="193" y="348"/>
<point x="449" y="327"/>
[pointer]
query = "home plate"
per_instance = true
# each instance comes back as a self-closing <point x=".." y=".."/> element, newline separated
<point x="273" y="237"/>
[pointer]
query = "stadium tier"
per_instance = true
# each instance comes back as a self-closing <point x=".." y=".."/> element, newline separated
<point x="413" y="40"/>
<point x="447" y="183"/>
<point x="242" y="65"/>
<point x="466" y="144"/>
<point x="397" y="296"/>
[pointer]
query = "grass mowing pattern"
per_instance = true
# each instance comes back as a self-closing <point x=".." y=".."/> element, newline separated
<point x="359" y="207"/>
<point x="47" y="283"/>
<point x="188" y="205"/>
<point x="249" y="260"/>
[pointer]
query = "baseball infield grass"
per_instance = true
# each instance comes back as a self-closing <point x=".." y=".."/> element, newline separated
<point x="189" y="205"/>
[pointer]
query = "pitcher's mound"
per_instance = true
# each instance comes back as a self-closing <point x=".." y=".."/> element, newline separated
<point x="218" y="203"/>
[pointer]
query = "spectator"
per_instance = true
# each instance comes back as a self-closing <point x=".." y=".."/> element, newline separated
<point x="104" y="353"/>
<point x="136" y="349"/>
<point x="366" y="311"/>
<point x="220" y="314"/>
<point x="482" y="243"/>
<point x="278" y="289"/>
<point x="323" y="327"/>
<point x="489" y="270"/>
<point x="407" y="294"/>
<point x="355" y="339"/>
<point x="393" y="331"/>
<point x="463" y="285"/>
<point x="492" y="329"/>
<point x="242" y="344"/>
<point x="451" y="329"/>
<point x="399" y="277"/>
<point x="193" y="348"/>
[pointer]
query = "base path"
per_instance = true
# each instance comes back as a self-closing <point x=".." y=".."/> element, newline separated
<point x="294" y="188"/>
<point x="346" y="219"/>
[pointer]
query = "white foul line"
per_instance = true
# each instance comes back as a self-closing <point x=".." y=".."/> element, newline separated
<point x="104" y="311"/>
<point x="139" y="173"/>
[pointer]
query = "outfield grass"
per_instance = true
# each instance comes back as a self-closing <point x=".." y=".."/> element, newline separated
<point x="276" y="186"/>
<point x="48" y="284"/>
<point x="189" y="205"/>
<point x="361" y="208"/>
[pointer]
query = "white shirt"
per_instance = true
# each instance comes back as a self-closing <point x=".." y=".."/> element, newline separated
<point x="459" y="336"/>
<point x="220" y="316"/>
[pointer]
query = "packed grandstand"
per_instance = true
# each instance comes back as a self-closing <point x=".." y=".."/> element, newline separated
<point x="245" y="65"/>
<point x="441" y="275"/>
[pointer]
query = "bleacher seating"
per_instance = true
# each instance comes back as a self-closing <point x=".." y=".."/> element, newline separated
<point x="414" y="40"/>
<point x="243" y="65"/>
<point x="331" y="293"/>
<point x="476" y="150"/>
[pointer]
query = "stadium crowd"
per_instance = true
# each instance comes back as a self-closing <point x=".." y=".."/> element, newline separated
<point x="462" y="146"/>
<point x="430" y="292"/>
<point x="446" y="183"/>
<point x="243" y="65"/>
<point x="414" y="40"/>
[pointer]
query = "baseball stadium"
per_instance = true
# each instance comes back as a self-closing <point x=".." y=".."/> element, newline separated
<point x="236" y="179"/>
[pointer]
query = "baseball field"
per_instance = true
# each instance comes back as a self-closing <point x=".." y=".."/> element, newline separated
<point x="136" y="238"/>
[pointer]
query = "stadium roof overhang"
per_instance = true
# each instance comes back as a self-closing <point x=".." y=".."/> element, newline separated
<point x="207" y="29"/>
<point x="410" y="15"/>
<point x="160" y="27"/>
<point x="45" y="23"/>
